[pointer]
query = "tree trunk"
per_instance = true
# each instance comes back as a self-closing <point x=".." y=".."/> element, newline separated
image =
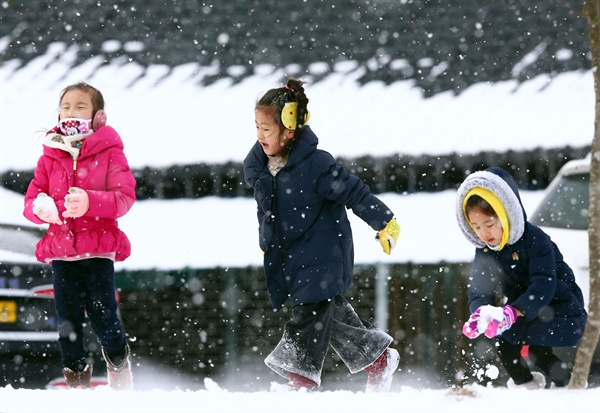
<point x="587" y="346"/>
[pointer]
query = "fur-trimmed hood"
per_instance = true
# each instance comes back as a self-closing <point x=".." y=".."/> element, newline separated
<point x="504" y="187"/>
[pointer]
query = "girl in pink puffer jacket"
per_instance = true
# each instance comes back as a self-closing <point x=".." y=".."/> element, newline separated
<point x="82" y="184"/>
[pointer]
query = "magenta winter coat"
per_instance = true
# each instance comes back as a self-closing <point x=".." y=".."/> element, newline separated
<point x="103" y="172"/>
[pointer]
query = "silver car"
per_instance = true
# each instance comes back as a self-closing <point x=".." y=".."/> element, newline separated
<point x="29" y="353"/>
<point x="27" y="317"/>
<point x="563" y="214"/>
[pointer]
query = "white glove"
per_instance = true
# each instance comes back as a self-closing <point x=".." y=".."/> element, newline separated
<point x="45" y="208"/>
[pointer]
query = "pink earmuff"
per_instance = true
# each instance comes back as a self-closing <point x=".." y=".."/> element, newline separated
<point x="99" y="119"/>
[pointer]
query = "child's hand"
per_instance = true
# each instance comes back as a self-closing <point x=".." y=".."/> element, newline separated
<point x="472" y="328"/>
<point x="388" y="236"/>
<point x="77" y="203"/>
<point x="490" y="320"/>
<point x="502" y="318"/>
<point x="45" y="208"/>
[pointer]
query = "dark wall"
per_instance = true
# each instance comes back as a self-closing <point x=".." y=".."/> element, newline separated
<point x="532" y="170"/>
<point x="215" y="321"/>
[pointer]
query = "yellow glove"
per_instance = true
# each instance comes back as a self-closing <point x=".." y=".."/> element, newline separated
<point x="388" y="236"/>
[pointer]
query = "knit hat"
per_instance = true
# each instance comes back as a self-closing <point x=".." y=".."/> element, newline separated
<point x="500" y="191"/>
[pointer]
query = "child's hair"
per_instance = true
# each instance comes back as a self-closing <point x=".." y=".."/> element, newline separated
<point x="97" y="98"/>
<point x="476" y="202"/>
<point x="274" y="100"/>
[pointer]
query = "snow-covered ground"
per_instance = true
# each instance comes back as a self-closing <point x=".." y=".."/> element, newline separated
<point x="172" y="120"/>
<point x="473" y="399"/>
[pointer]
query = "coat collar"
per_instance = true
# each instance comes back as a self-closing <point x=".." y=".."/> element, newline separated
<point x="98" y="141"/>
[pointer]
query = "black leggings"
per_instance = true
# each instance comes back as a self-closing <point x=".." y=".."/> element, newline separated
<point x="80" y="287"/>
<point x="542" y="357"/>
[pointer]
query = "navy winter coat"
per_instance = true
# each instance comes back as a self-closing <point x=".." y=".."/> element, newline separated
<point x="529" y="270"/>
<point x="303" y="227"/>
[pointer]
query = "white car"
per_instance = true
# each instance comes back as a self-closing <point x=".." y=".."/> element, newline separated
<point x="563" y="215"/>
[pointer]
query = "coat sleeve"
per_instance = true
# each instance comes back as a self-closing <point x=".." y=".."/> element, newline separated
<point x="542" y="275"/>
<point x="262" y="222"/>
<point x="251" y="166"/>
<point x="39" y="184"/>
<point x="334" y="183"/>
<point x="119" y="196"/>
<point x="485" y="281"/>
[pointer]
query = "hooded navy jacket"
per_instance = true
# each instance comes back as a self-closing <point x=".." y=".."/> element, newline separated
<point x="304" y="231"/>
<point x="529" y="270"/>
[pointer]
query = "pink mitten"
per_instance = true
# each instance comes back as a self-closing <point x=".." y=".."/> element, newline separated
<point x="45" y="208"/>
<point x="77" y="203"/>
<point x="501" y="321"/>
<point x="470" y="328"/>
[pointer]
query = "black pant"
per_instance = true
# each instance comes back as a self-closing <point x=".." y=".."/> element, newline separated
<point x="80" y="287"/>
<point x="542" y="357"/>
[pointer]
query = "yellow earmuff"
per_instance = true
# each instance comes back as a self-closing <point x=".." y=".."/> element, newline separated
<point x="289" y="115"/>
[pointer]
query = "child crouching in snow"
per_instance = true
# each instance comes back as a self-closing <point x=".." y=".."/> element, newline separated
<point x="304" y="232"/>
<point x="543" y="306"/>
<point x="82" y="184"/>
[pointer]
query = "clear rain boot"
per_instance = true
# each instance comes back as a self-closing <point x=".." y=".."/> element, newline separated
<point x="119" y="376"/>
<point x="381" y="372"/>
<point x="296" y="383"/>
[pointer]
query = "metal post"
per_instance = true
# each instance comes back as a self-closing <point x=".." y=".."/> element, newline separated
<point x="382" y="301"/>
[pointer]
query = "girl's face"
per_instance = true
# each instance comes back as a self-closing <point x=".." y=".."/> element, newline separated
<point x="487" y="228"/>
<point x="272" y="136"/>
<point x="76" y="104"/>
